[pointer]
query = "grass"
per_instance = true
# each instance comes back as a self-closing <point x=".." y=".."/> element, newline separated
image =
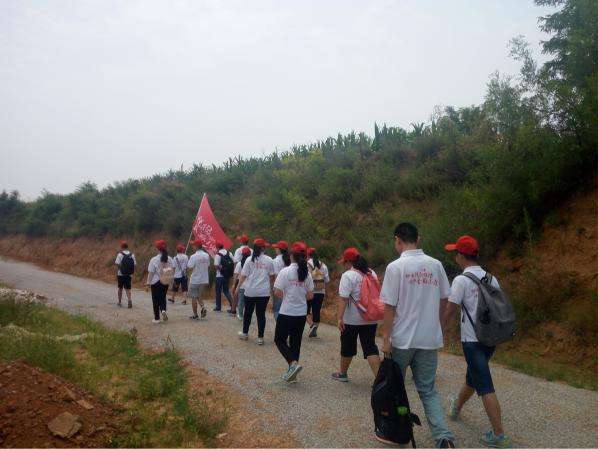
<point x="150" y="390"/>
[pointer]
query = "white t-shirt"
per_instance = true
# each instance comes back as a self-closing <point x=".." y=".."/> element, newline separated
<point x="257" y="282"/>
<point x="199" y="262"/>
<point x="324" y="270"/>
<point x="119" y="259"/>
<point x="153" y="268"/>
<point x="465" y="291"/>
<point x="180" y="265"/>
<point x="239" y="253"/>
<point x="350" y="287"/>
<point x="294" y="299"/>
<point x="221" y="252"/>
<point x="278" y="264"/>
<point x="414" y="284"/>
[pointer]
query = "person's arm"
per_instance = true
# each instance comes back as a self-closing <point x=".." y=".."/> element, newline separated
<point x="118" y="259"/>
<point x="151" y="270"/>
<point x="217" y="263"/>
<point x="342" y="305"/>
<point x="241" y="280"/>
<point x="386" y="328"/>
<point x="309" y="284"/>
<point x="450" y="310"/>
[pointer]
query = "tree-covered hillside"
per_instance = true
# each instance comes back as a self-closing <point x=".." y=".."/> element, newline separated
<point x="492" y="170"/>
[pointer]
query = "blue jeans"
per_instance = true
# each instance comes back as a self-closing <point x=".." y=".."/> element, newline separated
<point x="241" y="303"/>
<point x="222" y="287"/>
<point x="276" y="303"/>
<point x="423" y="364"/>
<point x="478" y="374"/>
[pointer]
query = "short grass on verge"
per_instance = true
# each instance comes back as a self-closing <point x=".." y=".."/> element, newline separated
<point x="150" y="390"/>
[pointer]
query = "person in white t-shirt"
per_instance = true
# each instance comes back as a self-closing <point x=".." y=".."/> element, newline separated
<point x="415" y="292"/>
<point x="199" y="262"/>
<point x="160" y="273"/>
<point x="294" y="286"/>
<point x="465" y="295"/>
<point x="124" y="279"/>
<point x="350" y="322"/>
<point x="321" y="277"/>
<point x="256" y="278"/>
<point x="180" y="274"/>
<point x="244" y="240"/>
<point x="239" y="292"/>
<point x="222" y="282"/>
<point x="281" y="261"/>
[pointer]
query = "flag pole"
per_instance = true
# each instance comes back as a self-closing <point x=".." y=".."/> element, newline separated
<point x="191" y="233"/>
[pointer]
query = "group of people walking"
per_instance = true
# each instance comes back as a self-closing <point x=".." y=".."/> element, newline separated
<point x="419" y="304"/>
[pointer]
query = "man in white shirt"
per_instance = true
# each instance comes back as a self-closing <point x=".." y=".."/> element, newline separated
<point x="199" y="262"/>
<point x="465" y="295"/>
<point x="222" y="282"/>
<point x="125" y="260"/>
<point x="415" y="289"/>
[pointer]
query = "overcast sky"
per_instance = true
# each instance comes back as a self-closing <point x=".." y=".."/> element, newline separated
<point x="105" y="90"/>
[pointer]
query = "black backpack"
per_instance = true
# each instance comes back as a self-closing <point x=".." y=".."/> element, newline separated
<point x="392" y="416"/>
<point x="127" y="264"/>
<point x="227" y="266"/>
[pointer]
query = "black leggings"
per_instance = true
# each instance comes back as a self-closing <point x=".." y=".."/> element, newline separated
<point x="289" y="328"/>
<point x="314" y="306"/>
<point x="259" y="304"/>
<point x="159" y="291"/>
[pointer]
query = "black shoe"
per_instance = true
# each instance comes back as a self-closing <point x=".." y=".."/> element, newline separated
<point x="313" y="331"/>
<point x="230" y="312"/>
<point x="194" y="317"/>
<point x="130" y="305"/>
<point x="446" y="443"/>
<point x="203" y="312"/>
<point x="171" y="300"/>
<point x="217" y="310"/>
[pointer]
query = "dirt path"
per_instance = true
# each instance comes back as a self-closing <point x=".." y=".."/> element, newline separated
<point x="316" y="410"/>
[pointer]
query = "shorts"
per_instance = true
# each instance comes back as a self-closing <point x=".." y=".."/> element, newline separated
<point x="195" y="290"/>
<point x="367" y="338"/>
<point x="124" y="281"/>
<point x="182" y="282"/>
<point x="478" y="374"/>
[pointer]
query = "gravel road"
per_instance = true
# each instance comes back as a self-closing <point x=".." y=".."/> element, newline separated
<point x="318" y="411"/>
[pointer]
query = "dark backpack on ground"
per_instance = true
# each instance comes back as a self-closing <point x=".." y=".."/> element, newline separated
<point x="392" y="416"/>
<point x="227" y="266"/>
<point x="495" y="316"/>
<point x="127" y="264"/>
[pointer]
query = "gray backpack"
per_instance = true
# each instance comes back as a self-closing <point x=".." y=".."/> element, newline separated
<point x="495" y="317"/>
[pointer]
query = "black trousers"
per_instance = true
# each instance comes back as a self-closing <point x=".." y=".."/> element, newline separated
<point x="315" y="306"/>
<point x="159" y="291"/>
<point x="288" y="335"/>
<point x="259" y="304"/>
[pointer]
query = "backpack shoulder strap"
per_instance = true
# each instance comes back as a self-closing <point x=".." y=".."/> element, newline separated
<point x="478" y="282"/>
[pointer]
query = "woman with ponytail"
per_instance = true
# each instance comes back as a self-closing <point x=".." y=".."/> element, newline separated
<point x="294" y="285"/>
<point x="160" y="273"/>
<point x="350" y="322"/>
<point x="256" y="279"/>
<point x="320" y="275"/>
<point x="281" y="260"/>
<point x="239" y="293"/>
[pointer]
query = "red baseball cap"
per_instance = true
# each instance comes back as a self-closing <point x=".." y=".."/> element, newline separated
<point x="299" y="247"/>
<point x="197" y="243"/>
<point x="246" y="251"/>
<point x="123" y="244"/>
<point x="281" y="245"/>
<point x="243" y="238"/>
<point x="180" y="248"/>
<point x="349" y="255"/>
<point x="260" y="242"/>
<point x="311" y="251"/>
<point x="160" y="245"/>
<point x="464" y="245"/>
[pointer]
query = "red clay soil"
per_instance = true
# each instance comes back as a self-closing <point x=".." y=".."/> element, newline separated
<point x="31" y="398"/>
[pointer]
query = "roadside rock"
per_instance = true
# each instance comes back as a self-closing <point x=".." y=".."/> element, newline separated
<point x="65" y="425"/>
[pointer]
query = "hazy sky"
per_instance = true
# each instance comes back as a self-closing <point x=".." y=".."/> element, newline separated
<point x="107" y="90"/>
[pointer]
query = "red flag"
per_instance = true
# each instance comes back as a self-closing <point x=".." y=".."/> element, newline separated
<point x="207" y="228"/>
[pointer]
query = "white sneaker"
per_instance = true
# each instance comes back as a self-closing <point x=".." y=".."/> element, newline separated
<point x="239" y="317"/>
<point x="293" y="371"/>
<point x="164" y="316"/>
<point x="156" y="321"/>
<point x="243" y="336"/>
<point x="260" y="341"/>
